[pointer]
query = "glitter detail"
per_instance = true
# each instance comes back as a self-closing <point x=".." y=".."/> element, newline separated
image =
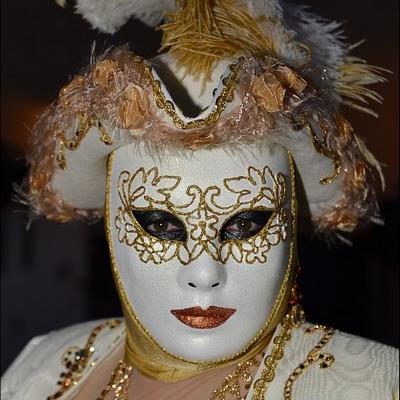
<point x="237" y="383"/>
<point x="119" y="383"/>
<point x="196" y="317"/>
<point x="325" y="360"/>
<point x="77" y="359"/>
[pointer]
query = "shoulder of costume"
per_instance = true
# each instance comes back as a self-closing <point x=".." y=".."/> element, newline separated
<point x="321" y="360"/>
<point x="53" y="365"/>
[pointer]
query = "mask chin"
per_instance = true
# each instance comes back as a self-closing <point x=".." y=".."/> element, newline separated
<point x="190" y="306"/>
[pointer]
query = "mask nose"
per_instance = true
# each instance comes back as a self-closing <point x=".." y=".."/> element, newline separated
<point x="205" y="276"/>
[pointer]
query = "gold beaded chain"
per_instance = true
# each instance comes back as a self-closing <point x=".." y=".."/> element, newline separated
<point x="294" y="319"/>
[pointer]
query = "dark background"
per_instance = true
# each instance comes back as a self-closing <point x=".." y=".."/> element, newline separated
<point x="54" y="275"/>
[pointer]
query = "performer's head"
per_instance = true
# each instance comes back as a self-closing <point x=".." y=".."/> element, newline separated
<point x="196" y="155"/>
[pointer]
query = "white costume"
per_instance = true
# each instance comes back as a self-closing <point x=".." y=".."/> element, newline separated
<point x="201" y="211"/>
<point x="362" y="370"/>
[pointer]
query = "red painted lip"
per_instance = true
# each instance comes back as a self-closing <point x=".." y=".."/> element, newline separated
<point x="196" y="317"/>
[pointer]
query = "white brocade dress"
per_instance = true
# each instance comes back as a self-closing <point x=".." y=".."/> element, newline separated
<point x="318" y="363"/>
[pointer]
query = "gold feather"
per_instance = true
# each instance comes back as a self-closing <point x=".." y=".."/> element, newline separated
<point x="355" y="76"/>
<point x="201" y="32"/>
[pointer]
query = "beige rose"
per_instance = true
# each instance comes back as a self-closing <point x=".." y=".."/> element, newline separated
<point x="104" y="72"/>
<point x="133" y="108"/>
<point x="70" y="95"/>
<point x="268" y="92"/>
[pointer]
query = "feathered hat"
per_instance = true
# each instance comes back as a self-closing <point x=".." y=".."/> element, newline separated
<point x="229" y="72"/>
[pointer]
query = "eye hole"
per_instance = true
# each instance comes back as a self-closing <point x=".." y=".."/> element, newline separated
<point x="161" y="224"/>
<point x="245" y="224"/>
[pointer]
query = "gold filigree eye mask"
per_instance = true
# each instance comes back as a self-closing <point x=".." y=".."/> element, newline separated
<point x="200" y="223"/>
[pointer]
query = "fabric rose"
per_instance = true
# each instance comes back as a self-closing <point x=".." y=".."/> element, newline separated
<point x="133" y="107"/>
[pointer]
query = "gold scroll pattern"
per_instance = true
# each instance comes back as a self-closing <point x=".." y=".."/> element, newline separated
<point x="201" y="214"/>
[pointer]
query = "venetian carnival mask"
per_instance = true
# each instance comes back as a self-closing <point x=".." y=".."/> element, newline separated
<point x="201" y="144"/>
<point x="202" y="243"/>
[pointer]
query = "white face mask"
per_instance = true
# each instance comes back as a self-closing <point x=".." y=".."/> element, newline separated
<point x="202" y="243"/>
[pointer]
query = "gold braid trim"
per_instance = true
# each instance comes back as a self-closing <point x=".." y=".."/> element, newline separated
<point x="225" y="97"/>
<point x="84" y="124"/>
<point x="294" y="319"/>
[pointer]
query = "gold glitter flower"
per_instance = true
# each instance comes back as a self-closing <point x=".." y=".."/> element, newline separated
<point x="277" y="231"/>
<point x="255" y="249"/>
<point x="203" y="225"/>
<point x="126" y="230"/>
<point x="150" y="249"/>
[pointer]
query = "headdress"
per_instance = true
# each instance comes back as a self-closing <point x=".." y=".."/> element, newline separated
<point x="267" y="71"/>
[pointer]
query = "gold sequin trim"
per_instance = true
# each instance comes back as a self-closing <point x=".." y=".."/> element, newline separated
<point x="84" y="124"/>
<point x="325" y="360"/>
<point x="292" y="320"/>
<point x="76" y="359"/>
<point x="238" y="382"/>
<point x="225" y="97"/>
<point x="119" y="383"/>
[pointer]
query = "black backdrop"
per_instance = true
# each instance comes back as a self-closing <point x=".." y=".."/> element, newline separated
<point x="54" y="275"/>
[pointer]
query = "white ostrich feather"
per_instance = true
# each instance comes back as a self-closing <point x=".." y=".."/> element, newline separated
<point x="109" y="16"/>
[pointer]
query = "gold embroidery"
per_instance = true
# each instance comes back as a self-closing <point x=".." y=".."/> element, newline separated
<point x="225" y="97"/>
<point x="119" y="382"/>
<point x="147" y="190"/>
<point x="325" y="360"/>
<point x="234" y="382"/>
<point x="84" y="124"/>
<point x="76" y="359"/>
<point x="290" y="321"/>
